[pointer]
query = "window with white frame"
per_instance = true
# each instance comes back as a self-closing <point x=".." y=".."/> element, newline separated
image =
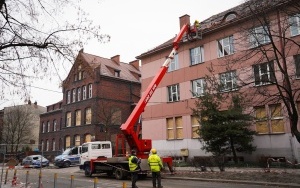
<point x="197" y="55"/>
<point x="88" y="116"/>
<point x="225" y="46"/>
<point x="78" y="117"/>
<point x="259" y="36"/>
<point x="228" y="81"/>
<point x="48" y="126"/>
<point x="90" y="90"/>
<point x="264" y="73"/>
<point x="295" y="24"/>
<point x="74" y="95"/>
<point x="173" y="93"/>
<point x="297" y="66"/>
<point x="54" y="125"/>
<point x="53" y="145"/>
<point x="174" y="64"/>
<point x="198" y="87"/>
<point x="83" y="92"/>
<point x="195" y="127"/>
<point x="47" y="145"/>
<point x="78" y="94"/>
<point x="68" y="97"/>
<point x="68" y="120"/>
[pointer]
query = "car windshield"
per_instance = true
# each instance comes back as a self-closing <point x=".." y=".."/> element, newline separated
<point x="36" y="158"/>
<point x="67" y="151"/>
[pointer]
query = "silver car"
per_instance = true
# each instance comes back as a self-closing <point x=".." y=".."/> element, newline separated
<point x="35" y="161"/>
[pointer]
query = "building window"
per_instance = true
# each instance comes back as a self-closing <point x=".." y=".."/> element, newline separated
<point x="47" y="145"/>
<point x="117" y="73"/>
<point x="90" y="91"/>
<point x="68" y="121"/>
<point x="79" y="73"/>
<point x="53" y="145"/>
<point x="179" y="127"/>
<point x="297" y="65"/>
<point x="195" y="127"/>
<point x="43" y="127"/>
<point x="269" y="120"/>
<point x="78" y="117"/>
<point x="295" y="24"/>
<point x="264" y="73"/>
<point x="77" y="140"/>
<point x="173" y="93"/>
<point x="83" y="92"/>
<point x="225" y="46"/>
<point x="74" y="95"/>
<point x="42" y="145"/>
<point x="68" y="97"/>
<point x="54" y="125"/>
<point x="197" y="55"/>
<point x="88" y="138"/>
<point x="48" y="126"/>
<point x="259" y="36"/>
<point x="78" y="94"/>
<point x="116" y="115"/>
<point x="170" y="129"/>
<point x="228" y="81"/>
<point x="198" y="87"/>
<point x="75" y="77"/>
<point x="68" y="141"/>
<point x="88" y="116"/>
<point x="174" y="64"/>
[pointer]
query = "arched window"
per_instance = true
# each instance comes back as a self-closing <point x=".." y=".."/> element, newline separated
<point x="68" y="141"/>
<point x="88" y="138"/>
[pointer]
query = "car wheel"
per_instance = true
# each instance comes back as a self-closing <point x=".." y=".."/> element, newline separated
<point x="67" y="164"/>
<point x="87" y="171"/>
<point x="120" y="173"/>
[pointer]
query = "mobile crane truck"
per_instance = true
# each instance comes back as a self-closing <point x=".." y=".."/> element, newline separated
<point x="96" y="157"/>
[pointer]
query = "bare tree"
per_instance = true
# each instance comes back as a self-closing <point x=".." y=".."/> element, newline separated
<point x="36" y="37"/>
<point x="270" y="59"/>
<point x="18" y="126"/>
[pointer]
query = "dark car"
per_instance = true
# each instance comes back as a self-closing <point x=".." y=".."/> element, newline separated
<point x="35" y="161"/>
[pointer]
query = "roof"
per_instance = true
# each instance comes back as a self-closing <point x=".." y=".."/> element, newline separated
<point x="218" y="20"/>
<point x="105" y="65"/>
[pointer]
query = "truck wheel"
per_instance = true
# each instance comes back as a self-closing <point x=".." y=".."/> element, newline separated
<point x="67" y="164"/>
<point x="120" y="173"/>
<point x="87" y="171"/>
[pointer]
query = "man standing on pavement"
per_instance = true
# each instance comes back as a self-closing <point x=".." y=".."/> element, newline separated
<point x="134" y="162"/>
<point x="156" y="165"/>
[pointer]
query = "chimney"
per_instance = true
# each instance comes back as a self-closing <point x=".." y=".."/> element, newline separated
<point x="136" y="64"/>
<point x="185" y="19"/>
<point x="116" y="59"/>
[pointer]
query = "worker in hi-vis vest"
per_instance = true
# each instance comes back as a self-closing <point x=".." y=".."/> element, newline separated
<point x="134" y="167"/>
<point x="156" y="165"/>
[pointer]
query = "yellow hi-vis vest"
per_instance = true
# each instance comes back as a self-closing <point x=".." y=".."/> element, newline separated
<point x="132" y="166"/>
<point x="155" y="163"/>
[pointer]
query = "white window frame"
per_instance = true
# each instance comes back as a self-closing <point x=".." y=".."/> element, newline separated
<point x="83" y="92"/>
<point x="90" y="91"/>
<point x="197" y="55"/>
<point x="53" y="145"/>
<point x="78" y="94"/>
<point x="47" y="145"/>
<point x="74" y="95"/>
<point x="225" y="46"/>
<point x="174" y="64"/>
<point x="261" y="74"/>
<point x="68" y="97"/>
<point x="48" y="126"/>
<point x="295" y="24"/>
<point x="198" y="87"/>
<point x="228" y="81"/>
<point x="173" y="92"/>
<point x="259" y="36"/>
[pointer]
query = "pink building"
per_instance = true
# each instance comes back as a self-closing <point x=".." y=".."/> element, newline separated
<point x="231" y="44"/>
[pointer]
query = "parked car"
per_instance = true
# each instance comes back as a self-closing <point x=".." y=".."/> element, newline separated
<point x="69" y="157"/>
<point x="35" y="161"/>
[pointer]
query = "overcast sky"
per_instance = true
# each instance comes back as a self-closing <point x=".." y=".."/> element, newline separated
<point x="135" y="26"/>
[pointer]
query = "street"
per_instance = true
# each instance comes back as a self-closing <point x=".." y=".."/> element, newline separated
<point x="74" y="178"/>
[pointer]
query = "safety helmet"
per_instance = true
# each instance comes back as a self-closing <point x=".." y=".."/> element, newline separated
<point x="153" y="150"/>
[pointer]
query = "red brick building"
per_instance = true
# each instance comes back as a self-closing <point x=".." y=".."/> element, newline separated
<point x="99" y="94"/>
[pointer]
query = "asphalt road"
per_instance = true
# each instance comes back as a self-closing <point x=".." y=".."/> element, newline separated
<point x="73" y="178"/>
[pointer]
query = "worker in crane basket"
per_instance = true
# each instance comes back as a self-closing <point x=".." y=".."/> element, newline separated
<point x="156" y="165"/>
<point x="134" y="167"/>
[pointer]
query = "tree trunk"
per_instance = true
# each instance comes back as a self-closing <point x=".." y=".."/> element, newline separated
<point x="235" y="159"/>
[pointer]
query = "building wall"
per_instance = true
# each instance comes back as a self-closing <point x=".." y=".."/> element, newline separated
<point x="158" y="108"/>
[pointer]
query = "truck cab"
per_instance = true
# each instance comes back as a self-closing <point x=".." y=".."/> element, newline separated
<point x="69" y="157"/>
<point x="93" y="150"/>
